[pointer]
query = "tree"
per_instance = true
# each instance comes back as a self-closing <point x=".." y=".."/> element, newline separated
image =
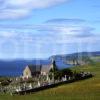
<point x="66" y="71"/>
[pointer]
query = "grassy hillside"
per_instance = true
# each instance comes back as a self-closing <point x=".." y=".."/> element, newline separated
<point x="82" y="90"/>
<point x="96" y="58"/>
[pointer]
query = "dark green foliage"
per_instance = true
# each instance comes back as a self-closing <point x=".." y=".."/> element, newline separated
<point x="57" y="75"/>
<point x="67" y="71"/>
<point x="6" y="82"/>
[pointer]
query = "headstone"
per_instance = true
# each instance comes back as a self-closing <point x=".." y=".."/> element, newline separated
<point x="47" y="77"/>
<point x="69" y="78"/>
<point x="65" y="78"/>
<point x="30" y="86"/>
<point x="39" y="84"/>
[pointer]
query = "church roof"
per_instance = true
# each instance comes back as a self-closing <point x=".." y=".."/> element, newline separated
<point x="34" y="68"/>
<point x="41" y="67"/>
<point x="46" y="68"/>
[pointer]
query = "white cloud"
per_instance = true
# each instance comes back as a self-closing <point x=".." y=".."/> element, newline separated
<point x="13" y="13"/>
<point x="33" y="3"/>
<point x="42" y="34"/>
<point x="67" y="21"/>
<point x="72" y="31"/>
<point x="53" y="33"/>
<point x="6" y="34"/>
<point x="47" y="32"/>
<point x="27" y="44"/>
<point x="10" y="9"/>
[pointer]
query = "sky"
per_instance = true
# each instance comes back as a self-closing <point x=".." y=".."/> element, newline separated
<point x="41" y="28"/>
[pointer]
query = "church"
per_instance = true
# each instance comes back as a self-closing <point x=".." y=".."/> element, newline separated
<point x="36" y="70"/>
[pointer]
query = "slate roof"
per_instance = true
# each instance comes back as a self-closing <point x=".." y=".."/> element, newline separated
<point x="46" y="68"/>
<point x="40" y="68"/>
<point x="34" y="68"/>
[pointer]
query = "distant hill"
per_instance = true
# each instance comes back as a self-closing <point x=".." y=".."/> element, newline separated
<point x="80" y="58"/>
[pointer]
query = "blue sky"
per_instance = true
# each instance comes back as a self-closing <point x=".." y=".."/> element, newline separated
<point x="41" y="28"/>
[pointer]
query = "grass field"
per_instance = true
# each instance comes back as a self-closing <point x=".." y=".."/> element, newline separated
<point x="88" y="89"/>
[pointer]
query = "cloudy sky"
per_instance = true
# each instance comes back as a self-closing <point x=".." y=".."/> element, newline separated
<point x="41" y="28"/>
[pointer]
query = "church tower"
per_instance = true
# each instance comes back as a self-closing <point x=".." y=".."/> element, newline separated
<point x="53" y="65"/>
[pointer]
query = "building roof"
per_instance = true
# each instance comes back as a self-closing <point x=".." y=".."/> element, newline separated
<point x="46" y="68"/>
<point x="40" y="68"/>
<point x="34" y="68"/>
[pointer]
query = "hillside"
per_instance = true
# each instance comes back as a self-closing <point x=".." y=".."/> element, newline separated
<point x="80" y="58"/>
<point x="88" y="89"/>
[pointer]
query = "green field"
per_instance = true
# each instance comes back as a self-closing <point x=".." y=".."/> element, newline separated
<point x="88" y="89"/>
